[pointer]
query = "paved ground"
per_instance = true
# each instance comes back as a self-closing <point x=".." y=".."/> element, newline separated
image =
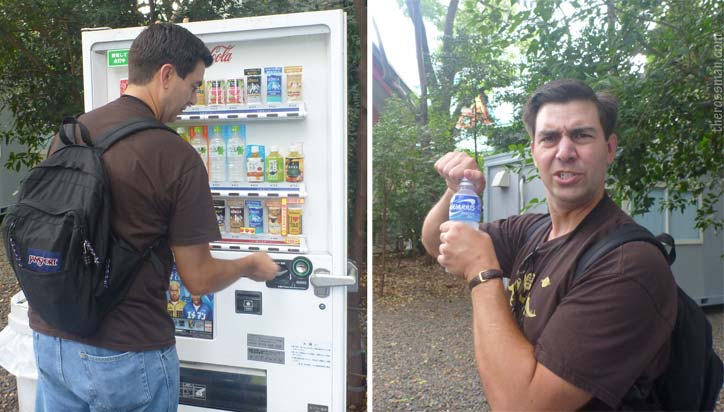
<point x="423" y="357"/>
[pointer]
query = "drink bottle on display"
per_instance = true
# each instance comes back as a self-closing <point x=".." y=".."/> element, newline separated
<point x="199" y="143"/>
<point x="465" y="205"/>
<point x="294" y="164"/>
<point x="274" y="166"/>
<point x="255" y="165"/>
<point x="235" y="155"/>
<point x="217" y="156"/>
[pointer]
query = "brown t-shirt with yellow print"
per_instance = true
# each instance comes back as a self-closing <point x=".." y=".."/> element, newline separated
<point x="605" y="331"/>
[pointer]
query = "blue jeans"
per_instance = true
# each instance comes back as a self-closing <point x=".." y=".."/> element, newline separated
<point x="74" y="377"/>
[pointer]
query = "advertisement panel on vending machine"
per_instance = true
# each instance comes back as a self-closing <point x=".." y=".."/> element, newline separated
<point x="270" y="125"/>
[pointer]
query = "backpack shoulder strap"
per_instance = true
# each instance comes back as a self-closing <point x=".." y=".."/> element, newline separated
<point x="126" y="129"/>
<point x="537" y="226"/>
<point x="622" y="235"/>
<point x="66" y="133"/>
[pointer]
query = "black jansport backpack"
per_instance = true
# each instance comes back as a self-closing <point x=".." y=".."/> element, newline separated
<point x="695" y="374"/>
<point x="71" y="266"/>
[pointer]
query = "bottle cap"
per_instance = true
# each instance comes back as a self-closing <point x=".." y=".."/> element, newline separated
<point x="235" y="128"/>
<point x="216" y="129"/>
<point x="255" y="149"/>
<point x="273" y="148"/>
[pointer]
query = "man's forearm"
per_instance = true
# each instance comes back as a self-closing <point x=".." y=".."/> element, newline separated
<point x="431" y="227"/>
<point x="505" y="358"/>
<point x="222" y="273"/>
<point x="202" y="273"/>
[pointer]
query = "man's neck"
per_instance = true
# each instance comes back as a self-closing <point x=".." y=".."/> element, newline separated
<point x="565" y="220"/>
<point x="143" y="94"/>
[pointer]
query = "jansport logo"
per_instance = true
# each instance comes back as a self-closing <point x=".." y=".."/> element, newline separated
<point x="43" y="260"/>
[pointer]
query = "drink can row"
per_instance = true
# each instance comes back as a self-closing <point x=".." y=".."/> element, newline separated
<point x="219" y="92"/>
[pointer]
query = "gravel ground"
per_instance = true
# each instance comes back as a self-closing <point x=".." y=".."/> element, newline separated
<point x="8" y="288"/>
<point x="422" y="348"/>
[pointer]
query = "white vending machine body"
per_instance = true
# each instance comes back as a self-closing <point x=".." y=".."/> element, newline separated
<point x="278" y="346"/>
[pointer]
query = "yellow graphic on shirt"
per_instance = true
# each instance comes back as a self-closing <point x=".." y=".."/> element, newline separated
<point x="545" y="282"/>
<point x="520" y="291"/>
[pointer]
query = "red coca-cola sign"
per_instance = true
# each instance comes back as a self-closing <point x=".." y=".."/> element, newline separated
<point x="221" y="53"/>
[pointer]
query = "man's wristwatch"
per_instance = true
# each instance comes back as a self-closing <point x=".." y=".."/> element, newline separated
<point x="484" y="276"/>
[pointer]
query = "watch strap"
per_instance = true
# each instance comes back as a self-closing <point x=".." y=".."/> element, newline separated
<point x="484" y="276"/>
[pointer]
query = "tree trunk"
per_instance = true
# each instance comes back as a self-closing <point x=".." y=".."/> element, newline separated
<point x="424" y="66"/>
<point x="383" y="228"/>
<point x="152" y="12"/>
<point x="356" y="385"/>
<point x="447" y="74"/>
<point x="359" y="217"/>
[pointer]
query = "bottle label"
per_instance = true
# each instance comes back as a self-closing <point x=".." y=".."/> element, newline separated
<point x="236" y="150"/>
<point x="465" y="208"/>
<point x="295" y="169"/>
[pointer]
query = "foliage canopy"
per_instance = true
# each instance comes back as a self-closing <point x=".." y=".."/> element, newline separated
<point x="662" y="59"/>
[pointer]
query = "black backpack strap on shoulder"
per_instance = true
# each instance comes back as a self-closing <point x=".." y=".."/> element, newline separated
<point x="537" y="226"/>
<point x="126" y="129"/>
<point x="622" y="235"/>
<point x="67" y="132"/>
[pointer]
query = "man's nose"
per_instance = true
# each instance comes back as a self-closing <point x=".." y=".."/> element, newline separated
<point x="566" y="149"/>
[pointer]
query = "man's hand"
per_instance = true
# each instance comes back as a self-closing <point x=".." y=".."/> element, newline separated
<point x="465" y="251"/>
<point x="263" y="267"/>
<point x="454" y="166"/>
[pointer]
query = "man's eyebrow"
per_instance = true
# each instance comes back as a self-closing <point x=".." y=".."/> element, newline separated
<point x="547" y="133"/>
<point x="579" y="130"/>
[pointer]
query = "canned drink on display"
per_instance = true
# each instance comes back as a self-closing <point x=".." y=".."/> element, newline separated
<point x="274" y="216"/>
<point x="256" y="215"/>
<point x="215" y="91"/>
<point x="236" y="215"/>
<point x="253" y="85"/>
<point x="294" y="83"/>
<point x="235" y="91"/>
<point x="295" y="220"/>
<point x="273" y="84"/>
<point x="220" y="209"/>
<point x="201" y="95"/>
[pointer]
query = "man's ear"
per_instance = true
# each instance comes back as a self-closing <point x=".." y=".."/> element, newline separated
<point x="166" y="72"/>
<point x="611" y="146"/>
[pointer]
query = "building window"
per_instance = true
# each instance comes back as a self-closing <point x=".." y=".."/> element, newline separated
<point x="679" y="224"/>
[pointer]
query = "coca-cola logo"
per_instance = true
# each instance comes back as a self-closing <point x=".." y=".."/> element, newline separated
<point x="221" y="53"/>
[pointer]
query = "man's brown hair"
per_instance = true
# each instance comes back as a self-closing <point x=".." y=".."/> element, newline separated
<point x="567" y="90"/>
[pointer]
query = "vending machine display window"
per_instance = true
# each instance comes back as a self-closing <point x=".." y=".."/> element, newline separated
<point x="193" y="315"/>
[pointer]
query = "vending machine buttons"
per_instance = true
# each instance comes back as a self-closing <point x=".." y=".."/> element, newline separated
<point x="294" y="274"/>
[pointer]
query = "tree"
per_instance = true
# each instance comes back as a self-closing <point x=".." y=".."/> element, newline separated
<point x="658" y="58"/>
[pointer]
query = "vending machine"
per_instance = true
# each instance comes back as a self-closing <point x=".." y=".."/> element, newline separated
<point x="270" y="124"/>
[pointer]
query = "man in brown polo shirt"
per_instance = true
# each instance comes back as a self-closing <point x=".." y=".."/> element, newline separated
<point x="552" y="342"/>
<point x="159" y="189"/>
